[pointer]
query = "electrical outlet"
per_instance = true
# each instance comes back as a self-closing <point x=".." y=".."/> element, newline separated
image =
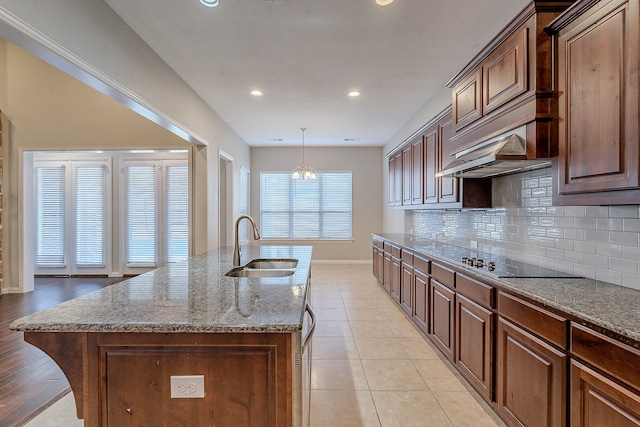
<point x="187" y="386"/>
<point x="474" y="244"/>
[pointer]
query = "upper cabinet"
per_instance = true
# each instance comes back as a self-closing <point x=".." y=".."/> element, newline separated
<point x="413" y="167"/>
<point x="509" y="84"/>
<point x="598" y="156"/>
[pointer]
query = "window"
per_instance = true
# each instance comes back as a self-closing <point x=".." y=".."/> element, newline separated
<point x="317" y="209"/>
<point x="90" y="194"/>
<point x="49" y="216"/>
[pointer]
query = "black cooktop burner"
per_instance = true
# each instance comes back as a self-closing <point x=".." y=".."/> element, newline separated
<point x="505" y="267"/>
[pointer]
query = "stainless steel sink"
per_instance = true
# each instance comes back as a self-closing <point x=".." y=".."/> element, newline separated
<point x="267" y="263"/>
<point x="254" y="272"/>
<point x="265" y="267"/>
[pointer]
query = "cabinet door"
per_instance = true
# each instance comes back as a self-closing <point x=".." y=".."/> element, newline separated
<point x="392" y="181"/>
<point x="474" y="345"/>
<point x="598" y="107"/>
<point x="530" y="379"/>
<point x="448" y="186"/>
<point x="421" y="300"/>
<point x="598" y="401"/>
<point x="417" y="168"/>
<point x="407" y="175"/>
<point x="467" y="99"/>
<point x="442" y="317"/>
<point x="431" y="165"/>
<point x="395" y="277"/>
<point x="387" y="271"/>
<point x="406" y="288"/>
<point x="505" y="71"/>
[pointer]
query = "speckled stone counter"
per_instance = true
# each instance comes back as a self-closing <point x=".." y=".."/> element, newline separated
<point x="190" y="296"/>
<point x="611" y="307"/>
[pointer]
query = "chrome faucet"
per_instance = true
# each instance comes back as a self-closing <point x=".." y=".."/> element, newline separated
<point x="236" y="248"/>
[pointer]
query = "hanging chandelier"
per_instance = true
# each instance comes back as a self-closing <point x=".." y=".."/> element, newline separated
<point x="304" y="171"/>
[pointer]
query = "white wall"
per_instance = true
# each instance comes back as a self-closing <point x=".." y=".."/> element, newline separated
<point x="367" y="190"/>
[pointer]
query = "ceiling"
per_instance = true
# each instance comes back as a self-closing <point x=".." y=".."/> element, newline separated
<point x="306" y="55"/>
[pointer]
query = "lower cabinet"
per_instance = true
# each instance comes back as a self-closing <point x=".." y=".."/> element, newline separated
<point x="530" y="378"/>
<point x="598" y="401"/>
<point x="406" y="282"/>
<point x="474" y="344"/>
<point x="442" y="317"/>
<point x="420" y="315"/>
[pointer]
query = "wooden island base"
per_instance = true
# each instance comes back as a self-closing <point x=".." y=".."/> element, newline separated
<point x="123" y="379"/>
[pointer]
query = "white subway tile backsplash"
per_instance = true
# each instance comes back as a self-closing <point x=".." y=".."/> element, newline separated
<point x="599" y="242"/>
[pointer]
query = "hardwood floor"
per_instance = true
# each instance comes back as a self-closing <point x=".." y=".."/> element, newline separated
<point x="29" y="379"/>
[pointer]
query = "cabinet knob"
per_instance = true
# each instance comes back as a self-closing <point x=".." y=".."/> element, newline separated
<point x="129" y="411"/>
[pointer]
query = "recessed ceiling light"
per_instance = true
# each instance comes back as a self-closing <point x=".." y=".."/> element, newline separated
<point x="256" y="93"/>
<point x="383" y="2"/>
<point x="211" y="3"/>
<point x="353" y="93"/>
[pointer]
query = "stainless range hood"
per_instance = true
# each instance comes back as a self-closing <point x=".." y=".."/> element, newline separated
<point x="501" y="155"/>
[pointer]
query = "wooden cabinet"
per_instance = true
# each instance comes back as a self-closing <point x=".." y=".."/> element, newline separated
<point x="378" y="260"/>
<point x="391" y="270"/>
<point x="420" y="159"/>
<point x="474" y="324"/>
<point x="407" y="175"/>
<point x="431" y="162"/>
<point x="531" y="364"/>
<point x="417" y="171"/>
<point x="406" y="282"/>
<point x="509" y="83"/>
<point x="395" y="179"/>
<point x="442" y="309"/>
<point x="604" y="382"/>
<point x="598" y="157"/>
<point x="421" y="293"/>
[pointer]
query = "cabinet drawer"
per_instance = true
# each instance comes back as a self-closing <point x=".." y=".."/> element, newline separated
<point x="392" y="249"/>
<point x="421" y="264"/>
<point x="443" y="275"/>
<point x="479" y="292"/>
<point x="407" y="257"/>
<point x="543" y="323"/>
<point x="614" y="358"/>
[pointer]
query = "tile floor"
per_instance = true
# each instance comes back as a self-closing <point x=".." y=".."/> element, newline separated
<point x="371" y="366"/>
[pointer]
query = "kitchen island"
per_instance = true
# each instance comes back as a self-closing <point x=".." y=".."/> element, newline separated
<point x="186" y="345"/>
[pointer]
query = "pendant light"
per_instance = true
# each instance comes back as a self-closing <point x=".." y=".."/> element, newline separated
<point x="304" y="171"/>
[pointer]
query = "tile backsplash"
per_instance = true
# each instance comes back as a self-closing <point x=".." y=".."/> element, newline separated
<point x="598" y="242"/>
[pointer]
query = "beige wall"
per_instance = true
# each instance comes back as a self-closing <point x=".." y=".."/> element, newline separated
<point x="367" y="190"/>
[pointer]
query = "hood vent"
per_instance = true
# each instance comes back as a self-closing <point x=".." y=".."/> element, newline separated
<point x="502" y="155"/>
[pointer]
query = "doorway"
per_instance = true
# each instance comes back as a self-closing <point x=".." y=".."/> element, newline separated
<point x="225" y="200"/>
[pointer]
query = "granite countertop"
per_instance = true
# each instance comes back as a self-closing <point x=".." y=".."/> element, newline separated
<point x="190" y="296"/>
<point x="612" y="307"/>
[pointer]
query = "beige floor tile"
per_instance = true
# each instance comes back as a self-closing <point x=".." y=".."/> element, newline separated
<point x="380" y="348"/>
<point x="439" y="376"/>
<point x="367" y="287"/>
<point x="338" y="375"/>
<point x="409" y="409"/>
<point x="393" y="375"/>
<point x="330" y="314"/>
<point x="326" y="328"/>
<point x="334" y="348"/>
<point x="371" y="329"/>
<point x="464" y="410"/>
<point x="330" y="408"/>
<point x="361" y="294"/>
<point x="324" y="286"/>
<point x="359" y="303"/>
<point x="317" y="294"/>
<point x="393" y="314"/>
<point x="419" y="348"/>
<point x="404" y="329"/>
<point x="327" y="303"/>
<point x="364" y="314"/>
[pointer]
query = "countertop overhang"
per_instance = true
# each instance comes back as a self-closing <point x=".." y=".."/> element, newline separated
<point x="608" y="306"/>
<point x="190" y="296"/>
